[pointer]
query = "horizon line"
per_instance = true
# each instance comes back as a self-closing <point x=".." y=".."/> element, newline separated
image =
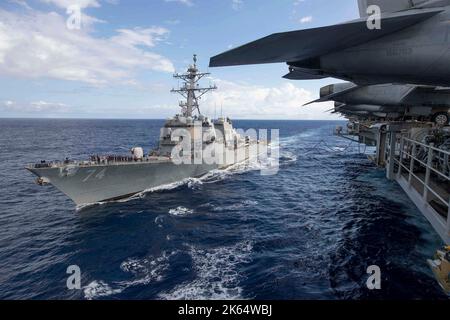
<point x="159" y="119"/>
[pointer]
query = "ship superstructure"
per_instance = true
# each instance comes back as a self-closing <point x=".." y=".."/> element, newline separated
<point x="190" y="146"/>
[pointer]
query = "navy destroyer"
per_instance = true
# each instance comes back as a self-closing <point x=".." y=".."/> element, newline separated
<point x="190" y="146"/>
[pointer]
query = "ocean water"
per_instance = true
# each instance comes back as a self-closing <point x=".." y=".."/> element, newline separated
<point x="309" y="232"/>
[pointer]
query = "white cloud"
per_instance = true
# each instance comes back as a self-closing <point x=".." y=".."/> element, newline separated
<point x="237" y="4"/>
<point x="67" y="3"/>
<point x="21" y="3"/>
<point x="239" y="101"/>
<point x="38" y="45"/>
<point x="140" y="37"/>
<point x="188" y="3"/>
<point x="38" y="107"/>
<point x="173" y="22"/>
<point x="307" y="19"/>
<point x="81" y="3"/>
<point x="259" y="102"/>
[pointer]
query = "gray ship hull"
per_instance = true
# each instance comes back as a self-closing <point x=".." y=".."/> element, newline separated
<point x="102" y="183"/>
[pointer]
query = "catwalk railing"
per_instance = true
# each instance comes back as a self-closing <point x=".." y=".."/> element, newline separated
<point x="423" y="171"/>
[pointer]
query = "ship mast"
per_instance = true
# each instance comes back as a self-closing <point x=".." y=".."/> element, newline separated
<point x="191" y="90"/>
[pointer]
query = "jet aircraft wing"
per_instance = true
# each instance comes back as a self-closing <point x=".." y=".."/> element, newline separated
<point x="296" y="46"/>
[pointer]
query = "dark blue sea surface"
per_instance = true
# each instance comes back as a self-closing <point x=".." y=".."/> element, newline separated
<point x="309" y="232"/>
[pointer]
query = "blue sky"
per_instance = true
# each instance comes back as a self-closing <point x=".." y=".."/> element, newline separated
<point x="120" y="63"/>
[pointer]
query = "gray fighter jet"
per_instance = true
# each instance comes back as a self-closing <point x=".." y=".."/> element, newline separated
<point x="412" y="46"/>
<point x="424" y="102"/>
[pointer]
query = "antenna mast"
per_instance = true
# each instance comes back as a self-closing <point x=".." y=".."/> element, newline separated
<point x="191" y="90"/>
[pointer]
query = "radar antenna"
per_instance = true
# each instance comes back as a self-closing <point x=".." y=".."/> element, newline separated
<point x="191" y="90"/>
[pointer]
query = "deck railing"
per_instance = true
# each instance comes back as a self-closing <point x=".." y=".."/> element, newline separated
<point x="434" y="184"/>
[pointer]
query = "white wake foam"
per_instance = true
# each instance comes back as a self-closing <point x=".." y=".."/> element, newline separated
<point x="217" y="272"/>
<point x="236" y="206"/>
<point x="144" y="272"/>
<point x="98" y="289"/>
<point x="181" y="212"/>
